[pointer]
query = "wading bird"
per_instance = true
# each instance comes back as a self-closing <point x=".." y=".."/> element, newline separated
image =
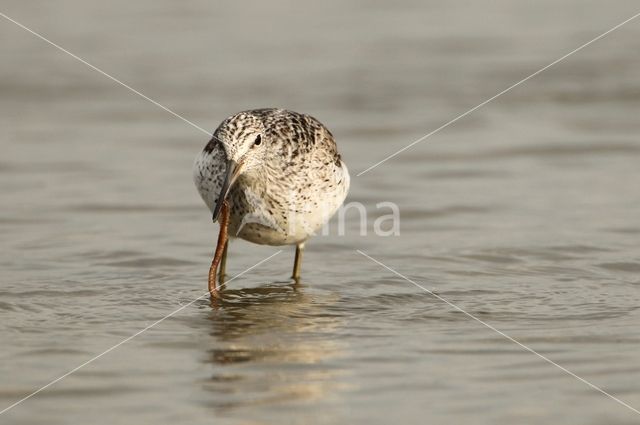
<point x="273" y="177"/>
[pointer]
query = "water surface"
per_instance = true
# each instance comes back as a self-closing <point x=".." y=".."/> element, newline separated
<point x="525" y="214"/>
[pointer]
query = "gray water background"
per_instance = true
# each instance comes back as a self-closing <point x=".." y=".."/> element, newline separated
<point x="524" y="213"/>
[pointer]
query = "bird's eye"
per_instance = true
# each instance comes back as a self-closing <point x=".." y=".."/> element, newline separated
<point x="258" y="140"/>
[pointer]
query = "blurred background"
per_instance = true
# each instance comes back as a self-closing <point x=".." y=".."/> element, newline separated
<point x="524" y="213"/>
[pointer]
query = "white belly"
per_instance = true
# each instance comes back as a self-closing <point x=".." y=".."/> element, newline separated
<point x="283" y="227"/>
<point x="256" y="218"/>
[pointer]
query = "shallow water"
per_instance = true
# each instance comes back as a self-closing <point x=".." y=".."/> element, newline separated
<point x="524" y="214"/>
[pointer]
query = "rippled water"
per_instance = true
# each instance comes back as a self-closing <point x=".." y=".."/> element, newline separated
<point x="525" y="214"/>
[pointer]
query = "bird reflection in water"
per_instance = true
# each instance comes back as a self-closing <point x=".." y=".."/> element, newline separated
<point x="273" y="345"/>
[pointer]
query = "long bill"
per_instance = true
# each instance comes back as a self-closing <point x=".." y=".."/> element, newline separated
<point x="231" y="174"/>
<point x="220" y="248"/>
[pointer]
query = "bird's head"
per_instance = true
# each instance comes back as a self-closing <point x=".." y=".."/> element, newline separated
<point x="243" y="138"/>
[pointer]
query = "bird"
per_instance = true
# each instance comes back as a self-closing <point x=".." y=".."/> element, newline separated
<point x="279" y="174"/>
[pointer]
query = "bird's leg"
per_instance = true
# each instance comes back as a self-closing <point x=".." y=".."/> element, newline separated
<point x="222" y="241"/>
<point x="297" y="262"/>
<point x="223" y="263"/>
